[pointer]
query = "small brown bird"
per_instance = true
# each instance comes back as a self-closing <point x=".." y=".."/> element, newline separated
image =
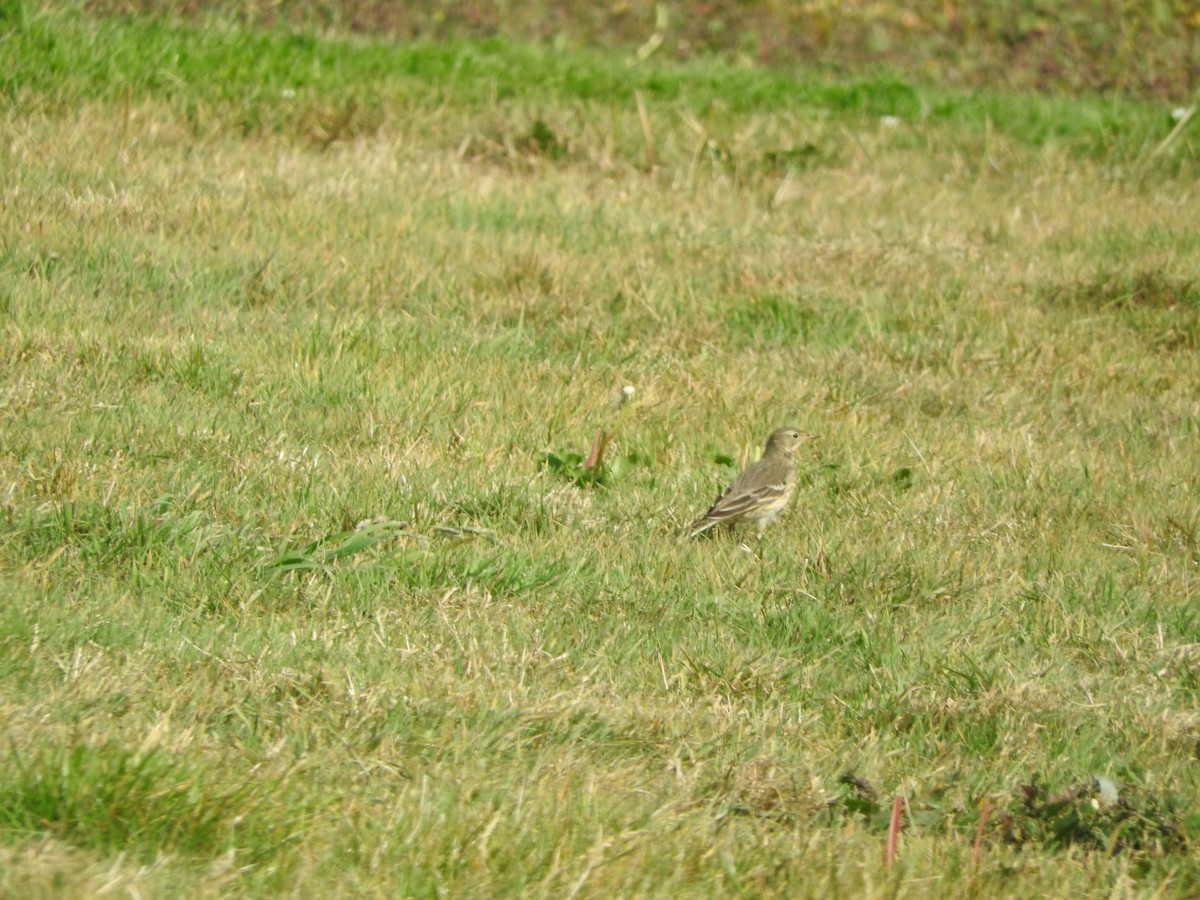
<point x="761" y="492"/>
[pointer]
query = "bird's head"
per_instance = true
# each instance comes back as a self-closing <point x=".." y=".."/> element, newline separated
<point x="785" y="440"/>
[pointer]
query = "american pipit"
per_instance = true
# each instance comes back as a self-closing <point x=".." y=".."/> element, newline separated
<point x="760" y="493"/>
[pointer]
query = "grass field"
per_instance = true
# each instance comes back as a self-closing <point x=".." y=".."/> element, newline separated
<point x="306" y="591"/>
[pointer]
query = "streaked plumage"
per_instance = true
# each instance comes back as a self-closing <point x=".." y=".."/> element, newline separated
<point x="761" y="492"/>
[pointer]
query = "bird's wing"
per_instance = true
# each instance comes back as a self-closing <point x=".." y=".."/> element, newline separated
<point x="738" y="499"/>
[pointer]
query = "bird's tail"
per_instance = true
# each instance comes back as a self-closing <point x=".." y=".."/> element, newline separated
<point x="700" y="526"/>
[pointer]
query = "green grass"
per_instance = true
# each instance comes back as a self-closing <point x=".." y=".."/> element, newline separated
<point x="230" y="77"/>
<point x="305" y="339"/>
<point x="1071" y="46"/>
